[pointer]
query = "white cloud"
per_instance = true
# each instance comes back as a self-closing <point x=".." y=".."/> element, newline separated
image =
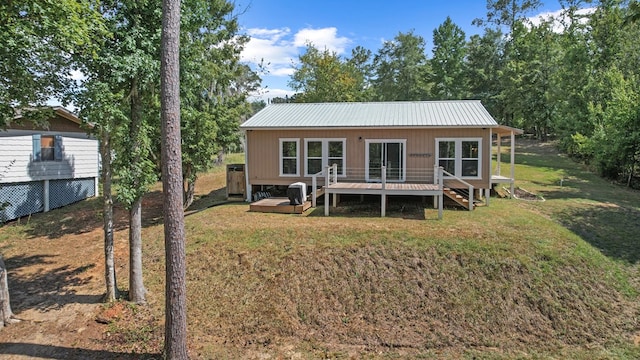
<point x="559" y="18"/>
<point x="278" y="49"/>
<point x="326" y="38"/>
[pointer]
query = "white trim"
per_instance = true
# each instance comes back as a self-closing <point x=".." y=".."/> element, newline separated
<point x="458" y="155"/>
<point x="280" y="158"/>
<point x="325" y="154"/>
<point x="385" y="141"/>
<point x="389" y="127"/>
<point x="247" y="182"/>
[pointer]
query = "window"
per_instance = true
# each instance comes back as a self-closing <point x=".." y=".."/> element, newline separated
<point x="47" y="148"/>
<point x="391" y="154"/>
<point x="460" y="157"/>
<point x="320" y="153"/>
<point x="289" y="157"/>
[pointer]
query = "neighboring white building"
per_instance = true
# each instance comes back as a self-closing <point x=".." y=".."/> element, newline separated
<point x="46" y="168"/>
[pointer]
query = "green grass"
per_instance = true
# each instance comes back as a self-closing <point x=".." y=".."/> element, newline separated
<point x="515" y="280"/>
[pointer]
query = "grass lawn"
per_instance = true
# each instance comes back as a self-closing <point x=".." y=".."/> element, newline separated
<point x="518" y="279"/>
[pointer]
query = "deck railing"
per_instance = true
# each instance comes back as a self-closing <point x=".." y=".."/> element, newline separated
<point x="452" y="178"/>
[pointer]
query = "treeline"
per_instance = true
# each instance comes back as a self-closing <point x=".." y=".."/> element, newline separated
<point x="574" y="77"/>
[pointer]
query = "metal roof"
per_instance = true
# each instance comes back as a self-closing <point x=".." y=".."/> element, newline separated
<point x="402" y="114"/>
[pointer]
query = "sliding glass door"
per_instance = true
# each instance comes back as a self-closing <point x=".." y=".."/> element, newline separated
<point x="390" y="153"/>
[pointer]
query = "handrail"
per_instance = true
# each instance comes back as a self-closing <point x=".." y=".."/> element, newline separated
<point x="314" y="187"/>
<point x="465" y="183"/>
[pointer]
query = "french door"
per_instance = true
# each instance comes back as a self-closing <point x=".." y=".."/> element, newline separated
<point x="390" y="153"/>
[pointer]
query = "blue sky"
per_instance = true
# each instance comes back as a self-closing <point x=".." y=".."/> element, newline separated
<point x="279" y="29"/>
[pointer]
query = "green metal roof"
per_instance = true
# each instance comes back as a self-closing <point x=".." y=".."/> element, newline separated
<point x="401" y="114"/>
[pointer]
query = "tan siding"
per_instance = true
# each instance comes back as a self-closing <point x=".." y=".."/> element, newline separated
<point x="263" y="148"/>
<point x="57" y="124"/>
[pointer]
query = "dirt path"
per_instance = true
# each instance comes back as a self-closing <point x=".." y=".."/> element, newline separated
<point x="57" y="283"/>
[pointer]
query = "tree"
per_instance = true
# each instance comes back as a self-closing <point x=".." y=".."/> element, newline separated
<point x="485" y="65"/>
<point x="401" y="69"/>
<point x="323" y="76"/>
<point x="175" y="344"/>
<point x="506" y="13"/>
<point x="102" y="109"/>
<point x="214" y="86"/>
<point x="448" y="76"/>
<point x="127" y="66"/>
<point x="39" y="41"/>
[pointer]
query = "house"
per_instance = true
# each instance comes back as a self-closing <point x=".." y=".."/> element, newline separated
<point x="43" y="168"/>
<point x="386" y="148"/>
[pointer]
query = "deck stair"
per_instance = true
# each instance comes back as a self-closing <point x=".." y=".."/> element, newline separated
<point x="459" y="196"/>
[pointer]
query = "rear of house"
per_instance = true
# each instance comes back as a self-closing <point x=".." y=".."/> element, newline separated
<point x="288" y="143"/>
<point x="46" y="168"/>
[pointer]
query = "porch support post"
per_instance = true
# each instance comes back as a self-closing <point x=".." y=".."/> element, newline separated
<point x="383" y="195"/>
<point x="45" y="194"/>
<point x="498" y="157"/>
<point x="487" y="194"/>
<point x="513" y="162"/>
<point x="326" y="203"/>
<point x="441" y="196"/>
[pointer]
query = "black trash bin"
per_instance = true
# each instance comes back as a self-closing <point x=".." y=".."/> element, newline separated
<point x="297" y="193"/>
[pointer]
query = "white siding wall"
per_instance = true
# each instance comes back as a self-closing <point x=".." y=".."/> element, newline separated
<point x="80" y="160"/>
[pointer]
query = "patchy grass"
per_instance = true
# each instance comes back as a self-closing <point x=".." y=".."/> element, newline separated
<point x="529" y="280"/>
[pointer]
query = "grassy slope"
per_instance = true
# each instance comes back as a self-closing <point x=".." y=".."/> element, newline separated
<point x="517" y="279"/>
<point x="503" y="281"/>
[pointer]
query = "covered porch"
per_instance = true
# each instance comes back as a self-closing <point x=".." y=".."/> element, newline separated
<point x="498" y="176"/>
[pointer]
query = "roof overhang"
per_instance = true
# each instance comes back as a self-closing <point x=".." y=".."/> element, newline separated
<point x="249" y="128"/>
<point x="506" y="130"/>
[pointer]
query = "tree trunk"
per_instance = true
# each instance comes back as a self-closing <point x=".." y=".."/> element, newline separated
<point x="136" y="285"/>
<point x="175" y="342"/>
<point x="5" y="304"/>
<point x="107" y="216"/>
<point x="189" y="194"/>
<point x="190" y="189"/>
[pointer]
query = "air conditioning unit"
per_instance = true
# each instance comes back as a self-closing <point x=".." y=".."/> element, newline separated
<point x="297" y="193"/>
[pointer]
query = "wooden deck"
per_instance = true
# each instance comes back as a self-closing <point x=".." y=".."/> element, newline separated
<point x="278" y="205"/>
<point x="383" y="189"/>
<point x="388" y="189"/>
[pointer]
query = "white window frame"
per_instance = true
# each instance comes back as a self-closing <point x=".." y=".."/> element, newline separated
<point x="325" y="154"/>
<point x="367" y="142"/>
<point x="458" y="155"/>
<point x="281" y="158"/>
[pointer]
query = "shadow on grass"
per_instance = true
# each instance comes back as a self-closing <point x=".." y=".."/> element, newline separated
<point x="398" y="207"/>
<point x="86" y="216"/>
<point x="605" y="215"/>
<point x="612" y="229"/>
<point x="45" y="290"/>
<point x="60" y="352"/>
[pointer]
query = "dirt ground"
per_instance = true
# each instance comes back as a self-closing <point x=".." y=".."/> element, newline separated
<point x="56" y="294"/>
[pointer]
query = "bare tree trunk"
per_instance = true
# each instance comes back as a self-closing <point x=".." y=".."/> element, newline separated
<point x="107" y="215"/>
<point x="175" y="342"/>
<point x="5" y="305"/>
<point x="189" y="191"/>
<point x="136" y="285"/>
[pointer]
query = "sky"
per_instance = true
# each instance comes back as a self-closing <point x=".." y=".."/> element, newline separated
<point x="280" y="29"/>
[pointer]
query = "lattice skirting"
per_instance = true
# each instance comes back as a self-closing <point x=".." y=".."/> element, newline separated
<point x="22" y="199"/>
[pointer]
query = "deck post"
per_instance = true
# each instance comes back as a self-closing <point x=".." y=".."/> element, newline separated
<point x="471" y="197"/>
<point x="435" y="181"/>
<point x="327" y="177"/>
<point x="314" y="193"/>
<point x="441" y="196"/>
<point x="383" y="195"/>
